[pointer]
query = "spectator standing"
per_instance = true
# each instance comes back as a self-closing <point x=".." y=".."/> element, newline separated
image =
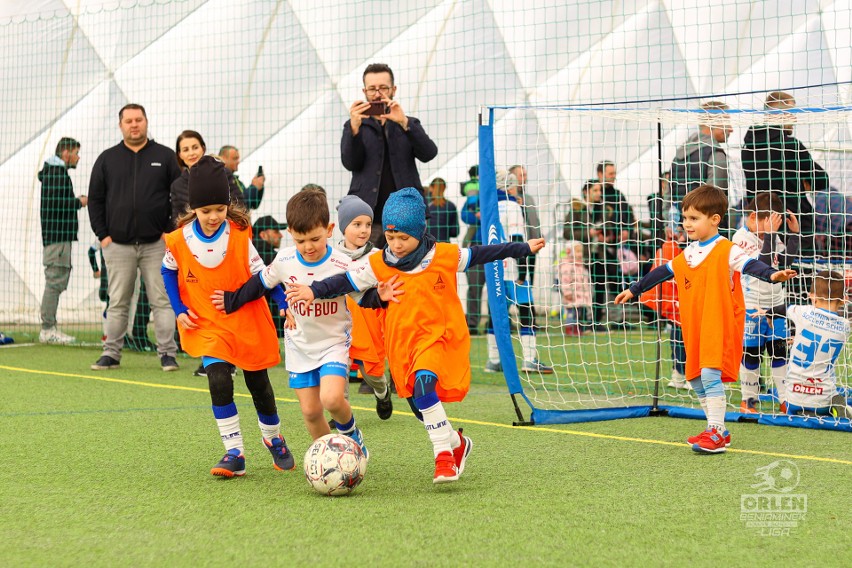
<point x="775" y="160"/>
<point x="130" y="211"/>
<point x="475" y="274"/>
<point x="250" y="196"/>
<point x="443" y="215"/>
<point x="615" y="200"/>
<point x="59" y="227"/>
<point x="531" y="219"/>
<point x="380" y="150"/>
<point x="832" y="217"/>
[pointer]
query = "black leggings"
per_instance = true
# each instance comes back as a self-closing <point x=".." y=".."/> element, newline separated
<point x="222" y="387"/>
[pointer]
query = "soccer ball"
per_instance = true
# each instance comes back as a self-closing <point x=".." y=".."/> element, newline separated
<point x="335" y="465"/>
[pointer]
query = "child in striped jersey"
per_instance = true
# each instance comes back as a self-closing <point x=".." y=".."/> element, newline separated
<point x="712" y="309"/>
<point x="426" y="335"/>
<point x="212" y="249"/>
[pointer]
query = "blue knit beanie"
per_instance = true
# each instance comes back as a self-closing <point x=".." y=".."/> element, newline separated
<point x="405" y="211"/>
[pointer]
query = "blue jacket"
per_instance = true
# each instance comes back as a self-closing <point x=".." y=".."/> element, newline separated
<point x="363" y="155"/>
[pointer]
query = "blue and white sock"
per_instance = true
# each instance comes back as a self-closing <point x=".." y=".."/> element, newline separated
<point x="270" y="426"/>
<point x="228" y="422"/>
<point x="346" y="428"/>
<point x="711" y="379"/>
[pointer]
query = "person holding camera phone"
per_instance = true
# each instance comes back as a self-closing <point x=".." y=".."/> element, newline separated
<point x="252" y="195"/>
<point x="377" y="128"/>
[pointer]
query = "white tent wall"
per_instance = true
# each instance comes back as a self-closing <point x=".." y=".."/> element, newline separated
<point x="276" y="79"/>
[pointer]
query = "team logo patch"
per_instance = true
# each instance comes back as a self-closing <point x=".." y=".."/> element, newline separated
<point x="439" y="283"/>
<point x="687" y="283"/>
<point x="190" y="277"/>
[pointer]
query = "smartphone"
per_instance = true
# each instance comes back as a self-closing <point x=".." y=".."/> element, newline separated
<point x="376" y="108"/>
<point x="259" y="171"/>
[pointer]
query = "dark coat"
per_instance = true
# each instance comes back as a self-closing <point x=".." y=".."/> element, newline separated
<point x="129" y="193"/>
<point x="59" y="205"/>
<point x="363" y="155"/>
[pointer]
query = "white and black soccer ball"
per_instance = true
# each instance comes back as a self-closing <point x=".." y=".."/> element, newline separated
<point x="335" y="465"/>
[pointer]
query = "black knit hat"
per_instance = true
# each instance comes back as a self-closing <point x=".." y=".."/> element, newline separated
<point x="208" y="183"/>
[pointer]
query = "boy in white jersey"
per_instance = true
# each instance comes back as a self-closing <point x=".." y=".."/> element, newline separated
<point x="518" y="292"/>
<point x="759" y="239"/>
<point x="317" y="350"/>
<point x="811" y="385"/>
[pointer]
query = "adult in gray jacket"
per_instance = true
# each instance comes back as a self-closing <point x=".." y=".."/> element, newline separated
<point x="129" y="209"/>
<point x="380" y="149"/>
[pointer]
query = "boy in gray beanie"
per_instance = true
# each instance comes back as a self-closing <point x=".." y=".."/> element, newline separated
<point x="355" y="221"/>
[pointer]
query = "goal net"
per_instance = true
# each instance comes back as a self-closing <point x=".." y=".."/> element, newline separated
<point x="605" y="183"/>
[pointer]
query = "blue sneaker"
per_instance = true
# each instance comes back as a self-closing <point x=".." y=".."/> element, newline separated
<point x="282" y="457"/>
<point x="359" y="439"/>
<point x="232" y="465"/>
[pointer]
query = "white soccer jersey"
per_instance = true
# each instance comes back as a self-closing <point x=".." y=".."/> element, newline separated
<point x="210" y="251"/>
<point x="757" y="293"/>
<point x="323" y="328"/>
<point x="512" y="219"/>
<point x="820" y="336"/>
<point x="696" y="252"/>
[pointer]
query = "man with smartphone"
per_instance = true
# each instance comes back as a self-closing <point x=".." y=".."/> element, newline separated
<point x="380" y="144"/>
<point x="251" y="195"/>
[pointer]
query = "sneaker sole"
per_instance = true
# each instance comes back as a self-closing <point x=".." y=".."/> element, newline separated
<point x="169" y="369"/>
<point x="275" y="465"/>
<point x="444" y="479"/>
<point x="227" y="473"/>
<point x="492" y="371"/>
<point x="700" y="450"/>
<point x="104" y="368"/>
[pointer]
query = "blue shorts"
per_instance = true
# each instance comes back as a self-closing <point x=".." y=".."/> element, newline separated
<point x="312" y="378"/>
<point x="758" y="331"/>
<point x="518" y="293"/>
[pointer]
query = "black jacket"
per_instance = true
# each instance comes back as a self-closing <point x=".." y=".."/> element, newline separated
<point x="180" y="194"/>
<point x="59" y="206"/>
<point x="363" y="155"/>
<point x="129" y="193"/>
<point x="776" y="161"/>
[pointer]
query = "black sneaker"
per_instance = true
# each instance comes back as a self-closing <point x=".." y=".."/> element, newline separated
<point x="200" y="371"/>
<point x="384" y="406"/>
<point x="168" y="363"/>
<point x="365" y="388"/>
<point x="104" y="363"/>
<point x="282" y="457"/>
<point x="232" y="465"/>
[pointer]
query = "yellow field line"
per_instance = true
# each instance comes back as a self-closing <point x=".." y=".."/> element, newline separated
<point x="461" y="420"/>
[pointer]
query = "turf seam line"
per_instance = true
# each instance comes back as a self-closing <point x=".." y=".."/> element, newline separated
<point x="461" y="420"/>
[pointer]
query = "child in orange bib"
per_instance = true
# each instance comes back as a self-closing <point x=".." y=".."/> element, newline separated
<point x="211" y="250"/>
<point x="425" y="331"/>
<point x="712" y="310"/>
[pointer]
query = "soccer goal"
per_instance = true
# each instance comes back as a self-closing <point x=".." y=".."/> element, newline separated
<point x="609" y="361"/>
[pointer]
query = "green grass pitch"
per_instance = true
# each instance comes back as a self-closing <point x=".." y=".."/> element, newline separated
<point x="111" y="468"/>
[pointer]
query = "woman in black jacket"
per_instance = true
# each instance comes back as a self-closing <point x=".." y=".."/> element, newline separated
<point x="190" y="147"/>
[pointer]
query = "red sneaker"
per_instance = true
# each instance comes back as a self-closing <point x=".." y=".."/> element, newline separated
<point x="460" y="454"/>
<point x="710" y="441"/>
<point x="749" y="406"/>
<point x="445" y="468"/>
<point x="694" y="439"/>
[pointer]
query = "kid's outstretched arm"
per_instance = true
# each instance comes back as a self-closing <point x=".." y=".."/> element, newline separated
<point x="483" y="254"/>
<point x="229" y="302"/>
<point x="657" y="276"/>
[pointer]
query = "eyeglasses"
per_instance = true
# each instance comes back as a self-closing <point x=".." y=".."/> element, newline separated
<point x="383" y="89"/>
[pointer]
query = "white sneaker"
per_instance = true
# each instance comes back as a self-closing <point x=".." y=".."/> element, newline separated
<point x="679" y="381"/>
<point x="53" y="335"/>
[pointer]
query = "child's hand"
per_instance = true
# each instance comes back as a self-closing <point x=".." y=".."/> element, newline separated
<point x="218" y="297"/>
<point x="289" y="319"/>
<point x="388" y="291"/>
<point x="96" y="273"/>
<point x="792" y="222"/>
<point x="624" y="297"/>
<point x="185" y="320"/>
<point x="773" y="222"/>
<point x="783" y="275"/>
<point x="536" y="245"/>
<point x="299" y="293"/>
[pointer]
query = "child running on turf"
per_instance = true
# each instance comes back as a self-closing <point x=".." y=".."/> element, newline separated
<point x="355" y="221"/>
<point x="758" y="237"/>
<point x="712" y="308"/>
<point x="426" y="335"/>
<point x="821" y="333"/>
<point x="212" y="249"/>
<point x="316" y="352"/>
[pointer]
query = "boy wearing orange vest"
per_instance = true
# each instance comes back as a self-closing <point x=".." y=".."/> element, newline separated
<point x="712" y="309"/>
<point x="426" y="335"/>
<point x="212" y="249"/>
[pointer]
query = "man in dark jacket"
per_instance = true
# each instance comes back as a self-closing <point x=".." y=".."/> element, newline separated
<point x="130" y="211"/>
<point x="266" y="238"/>
<point x="250" y="196"/>
<point x="774" y="160"/>
<point x="368" y="139"/>
<point x="59" y="227"/>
